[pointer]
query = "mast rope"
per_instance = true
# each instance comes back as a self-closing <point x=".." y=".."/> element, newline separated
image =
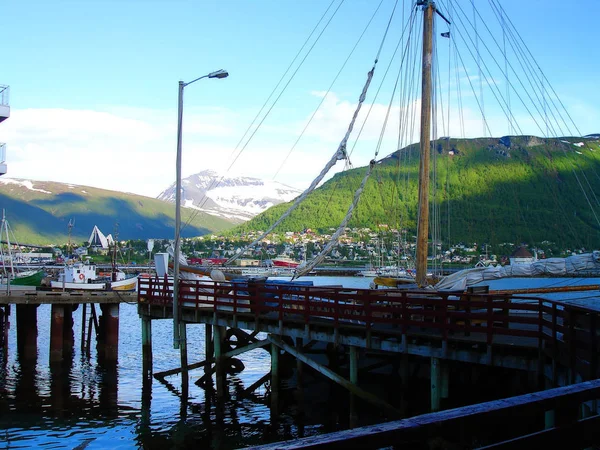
<point x="340" y="154"/>
<point x="215" y="184"/>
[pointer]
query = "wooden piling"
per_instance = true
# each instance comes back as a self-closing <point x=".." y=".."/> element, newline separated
<point x="27" y="331"/>
<point x="57" y="320"/>
<point x="4" y="325"/>
<point x="353" y="355"/>
<point x="435" y="384"/>
<point x="146" y="347"/>
<point x="184" y="357"/>
<point x="83" y="326"/>
<point x="208" y="346"/>
<point x="108" y="345"/>
<point x="274" y="380"/>
<point x="218" y="349"/>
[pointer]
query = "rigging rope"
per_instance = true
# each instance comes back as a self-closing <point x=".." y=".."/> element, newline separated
<point x="337" y="156"/>
<point x="304" y="269"/>
<point x="236" y="157"/>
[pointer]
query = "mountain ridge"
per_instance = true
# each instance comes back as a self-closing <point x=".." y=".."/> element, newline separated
<point x="39" y="212"/>
<point x="234" y="198"/>
<point x="495" y="190"/>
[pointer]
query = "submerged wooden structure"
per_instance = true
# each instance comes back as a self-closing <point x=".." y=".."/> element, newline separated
<point x="555" y="342"/>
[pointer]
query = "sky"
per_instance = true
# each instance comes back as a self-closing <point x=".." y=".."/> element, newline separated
<point x="93" y="84"/>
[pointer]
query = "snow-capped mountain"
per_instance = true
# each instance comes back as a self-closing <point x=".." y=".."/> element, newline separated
<point x="235" y="198"/>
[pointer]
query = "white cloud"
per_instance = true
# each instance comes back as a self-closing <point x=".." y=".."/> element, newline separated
<point x="133" y="150"/>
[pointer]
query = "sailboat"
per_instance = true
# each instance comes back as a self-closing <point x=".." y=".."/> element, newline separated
<point x="11" y="274"/>
<point x="547" y="111"/>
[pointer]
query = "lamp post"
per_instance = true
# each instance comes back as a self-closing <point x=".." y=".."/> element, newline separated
<point x="177" y="251"/>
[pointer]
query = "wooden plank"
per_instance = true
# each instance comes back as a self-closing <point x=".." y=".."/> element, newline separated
<point x="376" y="436"/>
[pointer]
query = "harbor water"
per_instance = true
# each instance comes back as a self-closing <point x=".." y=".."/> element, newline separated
<point x="80" y="403"/>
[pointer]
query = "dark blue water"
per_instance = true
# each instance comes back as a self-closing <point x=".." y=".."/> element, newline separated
<point x="81" y="403"/>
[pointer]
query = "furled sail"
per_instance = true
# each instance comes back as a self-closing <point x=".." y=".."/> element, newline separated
<point x="585" y="263"/>
<point x="337" y="156"/>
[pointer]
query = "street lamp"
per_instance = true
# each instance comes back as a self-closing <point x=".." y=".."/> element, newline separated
<point x="177" y="251"/>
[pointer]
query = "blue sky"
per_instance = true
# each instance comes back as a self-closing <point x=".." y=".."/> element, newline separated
<point x="94" y="83"/>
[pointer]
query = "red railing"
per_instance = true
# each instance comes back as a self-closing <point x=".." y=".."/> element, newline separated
<point x="567" y="334"/>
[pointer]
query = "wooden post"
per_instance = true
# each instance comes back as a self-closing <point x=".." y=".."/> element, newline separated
<point x="423" y="218"/>
<point x="5" y="325"/>
<point x="218" y="346"/>
<point x="435" y="384"/>
<point x="109" y="350"/>
<point x="83" y="324"/>
<point x="68" y="334"/>
<point x="146" y="347"/>
<point x="274" y="381"/>
<point x="27" y="331"/>
<point x="56" y="332"/>
<point x="208" y="347"/>
<point x="445" y="381"/>
<point x="184" y="357"/>
<point x="353" y="365"/>
<point x="299" y="365"/>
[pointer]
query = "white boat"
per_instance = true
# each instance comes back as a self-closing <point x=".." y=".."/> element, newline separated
<point x="83" y="276"/>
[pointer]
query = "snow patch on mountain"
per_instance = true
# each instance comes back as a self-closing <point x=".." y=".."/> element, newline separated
<point x="24" y="183"/>
<point x="235" y="198"/>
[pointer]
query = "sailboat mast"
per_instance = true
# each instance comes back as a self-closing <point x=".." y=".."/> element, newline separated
<point x="423" y="220"/>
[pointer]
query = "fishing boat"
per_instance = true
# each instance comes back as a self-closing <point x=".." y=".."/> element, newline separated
<point x="285" y="261"/>
<point x="83" y="276"/>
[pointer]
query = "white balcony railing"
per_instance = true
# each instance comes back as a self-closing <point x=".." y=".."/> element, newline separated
<point x="4" y="105"/>
<point x="2" y="158"/>
<point x="4" y="95"/>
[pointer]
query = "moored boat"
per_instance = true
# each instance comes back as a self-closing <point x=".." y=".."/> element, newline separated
<point x="285" y="261"/>
<point x="83" y="276"/>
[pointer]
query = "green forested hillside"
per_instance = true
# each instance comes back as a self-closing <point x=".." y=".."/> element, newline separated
<point x="514" y="189"/>
<point x="39" y="213"/>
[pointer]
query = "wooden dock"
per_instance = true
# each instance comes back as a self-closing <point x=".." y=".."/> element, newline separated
<point x="32" y="297"/>
<point x="555" y="342"/>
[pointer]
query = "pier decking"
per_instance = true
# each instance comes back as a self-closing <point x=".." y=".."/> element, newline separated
<point x="556" y="342"/>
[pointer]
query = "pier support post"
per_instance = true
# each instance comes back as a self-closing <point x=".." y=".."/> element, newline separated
<point x="184" y="357"/>
<point x="108" y="345"/>
<point x="435" y="384"/>
<point x="4" y="325"/>
<point x="274" y="380"/>
<point x="445" y="381"/>
<point x="353" y="365"/>
<point x="83" y="325"/>
<point x="209" y="349"/>
<point x="146" y="347"/>
<point x="57" y="322"/>
<point x="218" y="349"/>
<point x="68" y="333"/>
<point x="27" y="331"/>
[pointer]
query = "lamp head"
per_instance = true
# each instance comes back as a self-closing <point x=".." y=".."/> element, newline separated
<point x="219" y="74"/>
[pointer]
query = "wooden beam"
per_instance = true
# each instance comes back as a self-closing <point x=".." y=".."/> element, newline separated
<point x="231" y="354"/>
<point x="384" y="434"/>
<point x="335" y="377"/>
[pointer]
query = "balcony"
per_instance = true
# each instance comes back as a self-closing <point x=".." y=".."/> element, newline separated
<point x="2" y="158"/>
<point x="4" y="105"/>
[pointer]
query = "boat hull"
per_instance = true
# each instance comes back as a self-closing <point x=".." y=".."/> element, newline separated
<point x="128" y="284"/>
<point x="35" y="279"/>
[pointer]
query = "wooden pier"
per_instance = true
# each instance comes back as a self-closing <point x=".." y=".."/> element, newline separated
<point x="104" y="324"/>
<point x="555" y="343"/>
